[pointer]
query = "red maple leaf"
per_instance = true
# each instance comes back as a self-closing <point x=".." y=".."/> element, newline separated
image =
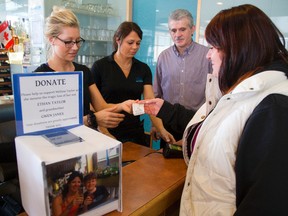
<point x="6" y="35"/>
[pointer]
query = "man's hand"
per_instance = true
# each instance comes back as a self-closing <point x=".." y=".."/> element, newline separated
<point x="166" y="136"/>
<point x="163" y="133"/>
<point x="154" y="134"/>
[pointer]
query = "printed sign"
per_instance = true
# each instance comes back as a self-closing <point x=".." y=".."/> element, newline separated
<point x="45" y="102"/>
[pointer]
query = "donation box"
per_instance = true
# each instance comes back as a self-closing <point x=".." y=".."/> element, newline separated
<point x="62" y="164"/>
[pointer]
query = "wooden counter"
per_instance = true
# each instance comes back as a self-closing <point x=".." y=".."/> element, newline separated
<point x="151" y="184"/>
<point x="133" y="152"/>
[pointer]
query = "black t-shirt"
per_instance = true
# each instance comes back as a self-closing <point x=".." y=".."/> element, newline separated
<point x="116" y="88"/>
<point x="99" y="196"/>
<point x="87" y="81"/>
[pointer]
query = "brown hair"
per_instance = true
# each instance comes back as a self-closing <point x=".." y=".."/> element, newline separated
<point x="90" y="176"/>
<point x="72" y="176"/>
<point x="249" y="41"/>
<point x="125" y="29"/>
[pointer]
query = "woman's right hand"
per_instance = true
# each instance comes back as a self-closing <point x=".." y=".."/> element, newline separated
<point x="78" y="200"/>
<point x="109" y="117"/>
<point x="126" y="106"/>
<point x="152" y="106"/>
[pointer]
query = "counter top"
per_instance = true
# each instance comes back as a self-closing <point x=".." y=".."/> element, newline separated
<point x="151" y="184"/>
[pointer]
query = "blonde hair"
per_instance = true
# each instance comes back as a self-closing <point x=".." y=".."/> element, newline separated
<point x="59" y="18"/>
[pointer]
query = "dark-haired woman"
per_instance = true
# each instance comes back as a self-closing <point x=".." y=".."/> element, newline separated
<point x="70" y="201"/>
<point x="121" y="77"/>
<point x="237" y="156"/>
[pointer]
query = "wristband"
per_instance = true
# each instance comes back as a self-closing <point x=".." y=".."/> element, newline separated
<point x="91" y="120"/>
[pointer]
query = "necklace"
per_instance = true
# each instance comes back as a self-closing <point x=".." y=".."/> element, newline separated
<point x="124" y="67"/>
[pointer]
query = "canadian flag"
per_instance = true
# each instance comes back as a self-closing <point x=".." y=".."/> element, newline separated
<point x="5" y="35"/>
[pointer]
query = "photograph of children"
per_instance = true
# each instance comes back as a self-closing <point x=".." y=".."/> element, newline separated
<point x="85" y="183"/>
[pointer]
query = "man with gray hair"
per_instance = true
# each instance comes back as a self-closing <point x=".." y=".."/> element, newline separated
<point x="181" y="73"/>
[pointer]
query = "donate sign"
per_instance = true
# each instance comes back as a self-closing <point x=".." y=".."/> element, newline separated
<point x="49" y="101"/>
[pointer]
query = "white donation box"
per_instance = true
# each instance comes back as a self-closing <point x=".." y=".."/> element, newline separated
<point x="58" y="157"/>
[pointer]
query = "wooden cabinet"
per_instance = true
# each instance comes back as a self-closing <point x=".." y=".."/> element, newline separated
<point x="5" y="75"/>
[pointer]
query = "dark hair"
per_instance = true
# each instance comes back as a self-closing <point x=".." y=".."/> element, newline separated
<point x="90" y="176"/>
<point x="125" y="29"/>
<point x="72" y="176"/>
<point x="248" y="40"/>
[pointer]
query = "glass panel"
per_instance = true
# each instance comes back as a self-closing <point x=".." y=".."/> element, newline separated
<point x="98" y="21"/>
<point x="152" y="17"/>
<point x="277" y="10"/>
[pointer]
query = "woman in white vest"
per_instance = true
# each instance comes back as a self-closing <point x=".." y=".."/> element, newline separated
<point x="236" y="144"/>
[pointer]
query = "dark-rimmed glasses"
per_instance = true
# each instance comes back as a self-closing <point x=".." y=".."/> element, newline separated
<point x="70" y="43"/>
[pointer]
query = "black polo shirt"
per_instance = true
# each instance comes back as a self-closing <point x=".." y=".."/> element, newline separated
<point x="116" y="88"/>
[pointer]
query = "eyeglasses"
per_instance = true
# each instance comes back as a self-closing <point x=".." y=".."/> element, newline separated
<point x="70" y="44"/>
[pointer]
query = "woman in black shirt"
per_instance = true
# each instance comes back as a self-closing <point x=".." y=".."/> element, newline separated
<point x="64" y="41"/>
<point x="120" y="77"/>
